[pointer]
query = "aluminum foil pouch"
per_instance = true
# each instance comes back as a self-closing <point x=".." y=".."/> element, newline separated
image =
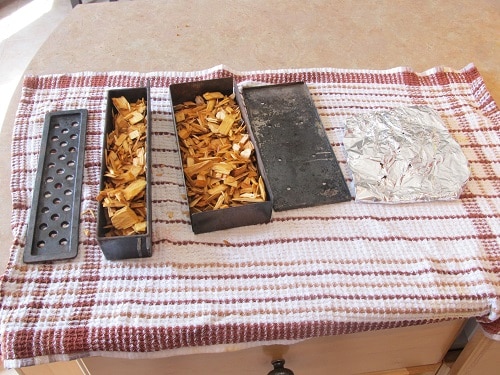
<point x="404" y="155"/>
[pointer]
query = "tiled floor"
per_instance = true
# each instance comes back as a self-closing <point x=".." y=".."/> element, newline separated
<point x="24" y="26"/>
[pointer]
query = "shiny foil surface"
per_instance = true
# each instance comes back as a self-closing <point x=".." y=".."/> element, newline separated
<point x="404" y="155"/>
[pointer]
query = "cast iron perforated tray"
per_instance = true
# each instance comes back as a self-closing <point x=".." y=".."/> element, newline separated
<point x="135" y="245"/>
<point x="55" y="210"/>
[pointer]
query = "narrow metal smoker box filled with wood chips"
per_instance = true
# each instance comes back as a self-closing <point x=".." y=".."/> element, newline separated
<point x="124" y="215"/>
<point x="222" y="169"/>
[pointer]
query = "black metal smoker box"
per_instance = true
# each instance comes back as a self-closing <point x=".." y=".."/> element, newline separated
<point x="297" y="156"/>
<point x="294" y="154"/>
<point x="231" y="217"/>
<point x="135" y="245"/>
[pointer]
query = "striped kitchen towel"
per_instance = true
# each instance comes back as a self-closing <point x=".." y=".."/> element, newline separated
<point x="328" y="270"/>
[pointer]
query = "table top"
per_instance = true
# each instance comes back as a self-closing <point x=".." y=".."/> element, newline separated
<point x="150" y="36"/>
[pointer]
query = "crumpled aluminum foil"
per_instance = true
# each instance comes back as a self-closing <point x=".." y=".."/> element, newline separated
<point x="404" y="155"/>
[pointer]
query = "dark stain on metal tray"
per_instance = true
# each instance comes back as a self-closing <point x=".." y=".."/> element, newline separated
<point x="55" y="210"/>
<point x="298" y="159"/>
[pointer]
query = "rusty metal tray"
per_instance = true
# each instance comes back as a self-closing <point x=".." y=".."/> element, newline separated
<point x="55" y="211"/>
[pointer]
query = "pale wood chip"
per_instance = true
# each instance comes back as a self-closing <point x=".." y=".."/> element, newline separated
<point x="213" y="95"/>
<point x="134" y="188"/>
<point x="124" y="218"/>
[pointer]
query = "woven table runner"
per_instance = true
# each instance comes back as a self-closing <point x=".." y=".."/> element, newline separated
<point x="328" y="270"/>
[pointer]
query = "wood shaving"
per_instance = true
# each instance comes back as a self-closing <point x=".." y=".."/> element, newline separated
<point x="125" y="179"/>
<point x="218" y="156"/>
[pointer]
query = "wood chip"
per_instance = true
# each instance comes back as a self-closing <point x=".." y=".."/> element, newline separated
<point x="125" y="177"/>
<point x="217" y="155"/>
